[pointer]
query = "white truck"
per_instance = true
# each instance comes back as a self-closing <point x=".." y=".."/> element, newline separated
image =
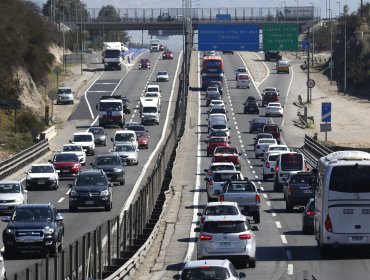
<point x="150" y="110"/>
<point x="111" y="111"/>
<point x="112" y="55"/>
<point x="154" y="45"/>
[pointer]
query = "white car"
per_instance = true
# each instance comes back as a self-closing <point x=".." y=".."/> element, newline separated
<point x="219" y="126"/>
<point x="125" y="137"/>
<point x="276" y="149"/>
<point x="240" y="70"/>
<point x="42" y="175"/>
<point x="153" y="88"/>
<point x="274" y="109"/>
<point x="262" y="146"/>
<point x="217" y="103"/>
<point x="86" y="139"/>
<point x="65" y="95"/>
<point x="219" y="208"/>
<point x="155" y="94"/>
<point x="243" y="81"/>
<point x="162" y="76"/>
<point x="269" y="164"/>
<point x="12" y="194"/>
<point x="219" y="166"/>
<point x="77" y="149"/>
<point x="127" y="152"/>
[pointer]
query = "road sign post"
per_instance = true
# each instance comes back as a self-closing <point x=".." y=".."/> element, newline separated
<point x="280" y="37"/>
<point x="325" y="118"/>
<point x="228" y="37"/>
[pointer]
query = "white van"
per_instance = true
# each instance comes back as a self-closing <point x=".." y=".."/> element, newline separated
<point x="286" y="163"/>
<point x="150" y="108"/>
<point x="341" y="185"/>
<point x="65" y="95"/>
<point x="243" y="81"/>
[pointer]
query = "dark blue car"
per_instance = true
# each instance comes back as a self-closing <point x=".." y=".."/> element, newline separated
<point x="256" y="125"/>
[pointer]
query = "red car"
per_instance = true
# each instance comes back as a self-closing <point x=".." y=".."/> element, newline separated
<point x="167" y="55"/>
<point x="67" y="164"/>
<point x="215" y="142"/>
<point x="142" y="139"/>
<point x="227" y="154"/>
<point x="270" y="95"/>
<point x="274" y="129"/>
<point x="144" y="63"/>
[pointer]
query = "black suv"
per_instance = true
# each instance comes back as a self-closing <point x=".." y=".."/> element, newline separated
<point x="112" y="166"/>
<point x="251" y="107"/>
<point x="91" y="188"/>
<point x="33" y="227"/>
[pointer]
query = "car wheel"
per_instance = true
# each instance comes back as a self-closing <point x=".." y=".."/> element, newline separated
<point x="56" y="186"/>
<point x="276" y="185"/>
<point x="252" y="262"/>
<point x="257" y="218"/>
<point x="288" y="206"/>
<point x="8" y="254"/>
<point x="256" y="156"/>
<point x="105" y="143"/>
<point x="108" y="207"/>
<point x="305" y="230"/>
<point x="123" y="181"/>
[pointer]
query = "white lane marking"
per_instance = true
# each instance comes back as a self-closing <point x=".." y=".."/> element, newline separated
<point x="237" y="128"/>
<point x="254" y="172"/>
<point x="289" y="255"/>
<point x="191" y="245"/>
<point x="105" y="83"/>
<point x="265" y="196"/>
<point x="249" y="162"/>
<point x="290" y="269"/>
<point x="240" y="141"/>
<point x="262" y="189"/>
<point x="287" y="92"/>
<point x="61" y="199"/>
<point x="268" y="203"/>
<point x="283" y="239"/>
<point x="85" y="95"/>
<point x="250" y="166"/>
<point x="278" y="225"/>
<point x="146" y="166"/>
<point x="273" y="214"/>
<point x="99" y="91"/>
<point x="68" y="191"/>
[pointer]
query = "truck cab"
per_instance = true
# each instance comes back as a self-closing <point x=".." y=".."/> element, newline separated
<point x="111" y="111"/>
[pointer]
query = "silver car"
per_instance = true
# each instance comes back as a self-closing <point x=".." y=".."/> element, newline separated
<point x="162" y="76"/>
<point x="12" y="194"/>
<point x="210" y="269"/>
<point x="127" y="153"/>
<point x="228" y="236"/>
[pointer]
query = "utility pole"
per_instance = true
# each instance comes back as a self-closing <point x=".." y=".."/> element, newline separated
<point x="345" y="11"/>
<point x="308" y="66"/>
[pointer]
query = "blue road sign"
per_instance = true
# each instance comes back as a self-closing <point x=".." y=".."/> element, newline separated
<point x="326" y="111"/>
<point x="228" y="37"/>
<point x="305" y="45"/>
<point x="223" y="17"/>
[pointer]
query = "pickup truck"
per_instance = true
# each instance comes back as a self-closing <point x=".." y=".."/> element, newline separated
<point x="245" y="193"/>
<point x="274" y="130"/>
<point x="217" y="180"/>
<point x="227" y="154"/>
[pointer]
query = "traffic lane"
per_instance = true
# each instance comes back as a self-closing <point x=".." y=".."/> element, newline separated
<point x="270" y="254"/>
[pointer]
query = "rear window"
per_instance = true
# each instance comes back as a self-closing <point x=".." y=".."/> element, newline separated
<point x="224" y="226"/>
<point x="213" y="63"/>
<point x="220" y="210"/>
<point x="223" y="177"/>
<point x="350" y="179"/>
<point x="219" y="126"/>
<point x="227" y="150"/>
<point x="270" y="128"/>
<point x="291" y="162"/>
<point x="301" y="179"/>
<point x="267" y="141"/>
<point x="241" y="187"/>
<point x="217" y="140"/>
<point x="243" y="77"/>
<point x="222" y="167"/>
<point x="206" y="272"/>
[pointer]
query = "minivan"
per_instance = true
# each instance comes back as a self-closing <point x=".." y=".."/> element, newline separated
<point x="65" y="95"/>
<point x="243" y="81"/>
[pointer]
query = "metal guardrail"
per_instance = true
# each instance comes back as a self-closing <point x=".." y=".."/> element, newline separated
<point x="11" y="165"/>
<point x="313" y="150"/>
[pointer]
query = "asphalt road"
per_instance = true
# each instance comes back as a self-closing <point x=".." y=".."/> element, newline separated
<point x="130" y="82"/>
<point x="283" y="252"/>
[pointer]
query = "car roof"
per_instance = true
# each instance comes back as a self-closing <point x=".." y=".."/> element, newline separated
<point x="83" y="133"/>
<point x="222" y="163"/>
<point x="35" y="205"/>
<point x="199" y="263"/>
<point x="106" y="155"/>
<point x="90" y="171"/>
<point x="225" y="218"/>
<point x="125" y="131"/>
<point x="9" y="182"/>
<point x="227" y="171"/>
<point x="218" y="203"/>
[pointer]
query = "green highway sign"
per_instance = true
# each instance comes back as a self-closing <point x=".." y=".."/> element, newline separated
<point x="280" y="37"/>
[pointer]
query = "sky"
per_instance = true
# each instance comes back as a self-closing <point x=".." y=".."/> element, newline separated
<point x="352" y="4"/>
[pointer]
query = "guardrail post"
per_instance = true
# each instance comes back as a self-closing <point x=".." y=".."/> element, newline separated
<point x="95" y="251"/>
<point x="100" y="253"/>
<point x="47" y="268"/>
<point x="89" y="249"/>
<point x="130" y="226"/>
<point x="56" y="267"/>
<point x="15" y="276"/>
<point x="124" y="231"/>
<point x="76" y="259"/>
<point x="70" y="261"/>
<point x="63" y="264"/>
<point x="27" y="274"/>
<point x="109" y="242"/>
<point x="37" y="274"/>
<point x="118" y="237"/>
<point x="83" y="256"/>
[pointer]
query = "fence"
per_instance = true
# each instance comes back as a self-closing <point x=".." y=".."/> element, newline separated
<point x="98" y="253"/>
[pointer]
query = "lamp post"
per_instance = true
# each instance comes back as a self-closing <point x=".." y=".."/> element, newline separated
<point x="296" y="53"/>
<point x="284" y="9"/>
<point x="345" y="11"/>
<point x="313" y="33"/>
<point x="338" y="2"/>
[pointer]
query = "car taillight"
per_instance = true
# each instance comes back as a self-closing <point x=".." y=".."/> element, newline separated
<point x="205" y="237"/>
<point x="221" y="198"/>
<point x="245" y="236"/>
<point x="209" y="173"/>
<point x="289" y="190"/>
<point x="258" y="199"/>
<point x="210" y="183"/>
<point x="328" y="225"/>
<point x="276" y="169"/>
<point x="310" y="213"/>
<point x="267" y="164"/>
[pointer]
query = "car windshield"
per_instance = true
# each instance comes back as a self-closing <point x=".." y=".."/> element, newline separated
<point x="72" y="148"/>
<point x="151" y="94"/>
<point x="224" y="226"/>
<point x="110" y="106"/>
<point x="41" y="169"/>
<point x="65" y="157"/>
<point x="300" y="179"/>
<point x="90" y="180"/>
<point x="136" y="128"/>
<point x="96" y="131"/>
<point x="162" y="73"/>
<point x="152" y="89"/>
<point x="205" y="273"/>
<point x="219" y="126"/>
<point x="64" y="91"/>
<point x="240" y="187"/>
<point x="219" y="133"/>
<point x="274" y="105"/>
<point x="271" y="128"/>
<point x="149" y="109"/>
<point x="107" y="161"/>
<point x="124" y="137"/>
<point x="10" y="188"/>
<point x="220" y="210"/>
<point x="267" y="141"/>
<point x="124" y="148"/>
<point x="278" y="149"/>
<point x="291" y="162"/>
<point x="112" y="53"/>
<point x="82" y="138"/>
<point x="32" y="214"/>
<point x="140" y="134"/>
<point x="217" y="140"/>
<point x="259" y="120"/>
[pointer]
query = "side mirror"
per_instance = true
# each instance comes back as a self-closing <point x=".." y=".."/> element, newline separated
<point x="25" y="191"/>
<point x="240" y="154"/>
<point x="111" y="139"/>
<point x="255" y="228"/>
<point x="70" y="141"/>
<point x="59" y="218"/>
<point x="6" y="219"/>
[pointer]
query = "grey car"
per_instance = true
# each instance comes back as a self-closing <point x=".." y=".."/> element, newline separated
<point x="100" y="136"/>
<point x="297" y="189"/>
<point x="228" y="236"/>
<point x="112" y="166"/>
<point x="12" y="194"/>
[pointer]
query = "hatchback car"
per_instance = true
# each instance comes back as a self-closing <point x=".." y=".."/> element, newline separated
<point x="282" y="66"/>
<point x="217" y="110"/>
<point x="167" y="55"/>
<point x="217" y="84"/>
<point x="274" y="109"/>
<point x="228" y="236"/>
<point x="215" y="142"/>
<point x="68" y="164"/>
<point x="251" y="107"/>
<point x="213" y="96"/>
<point x="257" y="124"/>
<point x="261" y="135"/>
<point x="270" y="94"/>
<point x="127" y="153"/>
<point x="12" y="194"/>
<point x="308" y="217"/>
<point x="210" y="269"/>
<point x="112" y="166"/>
<point x="269" y="164"/>
<point x="262" y="146"/>
<point x="162" y="76"/>
<point x="216" y="103"/>
<point x="124" y="137"/>
<point x="142" y="139"/>
<point x="240" y="70"/>
<point x="42" y="175"/>
<point x="91" y="188"/>
<point x="86" y="139"/>
<point x="219" y="166"/>
<point x="144" y="63"/>
<point x="100" y="136"/>
<point x="297" y="189"/>
<point x="224" y="208"/>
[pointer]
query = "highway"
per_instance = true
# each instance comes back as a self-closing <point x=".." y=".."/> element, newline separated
<point x="283" y="251"/>
<point x="130" y="82"/>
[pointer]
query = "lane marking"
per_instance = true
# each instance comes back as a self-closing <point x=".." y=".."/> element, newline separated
<point x="265" y="196"/>
<point x="268" y="203"/>
<point x="273" y="214"/>
<point x="68" y="191"/>
<point x="283" y="239"/>
<point x="290" y="269"/>
<point x="278" y="225"/>
<point x="60" y="200"/>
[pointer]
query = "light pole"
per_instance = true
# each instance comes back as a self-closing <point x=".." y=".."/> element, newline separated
<point x="331" y="46"/>
<point x="313" y="33"/>
<point x="338" y="2"/>
<point x="296" y="53"/>
<point x="284" y="9"/>
<point x="345" y="11"/>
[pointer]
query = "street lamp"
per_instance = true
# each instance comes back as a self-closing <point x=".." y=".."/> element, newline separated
<point x="331" y="45"/>
<point x="313" y="33"/>
<point x="296" y="53"/>
<point x="284" y="9"/>
<point x="338" y="2"/>
<point x="345" y="11"/>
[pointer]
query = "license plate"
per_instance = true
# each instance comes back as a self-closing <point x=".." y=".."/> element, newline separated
<point x="225" y="244"/>
<point x="40" y="182"/>
<point x="3" y="207"/>
<point x="89" y="202"/>
<point x="358" y="239"/>
<point x="65" y="171"/>
<point x="307" y="191"/>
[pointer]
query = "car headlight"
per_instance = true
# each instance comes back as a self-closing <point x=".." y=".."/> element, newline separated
<point x="10" y="230"/>
<point x="48" y="230"/>
<point x="73" y="193"/>
<point x="76" y="165"/>
<point x="52" y="178"/>
<point x="118" y="170"/>
<point x="19" y="200"/>
<point x="28" y="178"/>
<point x="104" y="193"/>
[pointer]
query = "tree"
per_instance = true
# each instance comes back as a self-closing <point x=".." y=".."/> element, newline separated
<point x="108" y="13"/>
<point x="68" y="10"/>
